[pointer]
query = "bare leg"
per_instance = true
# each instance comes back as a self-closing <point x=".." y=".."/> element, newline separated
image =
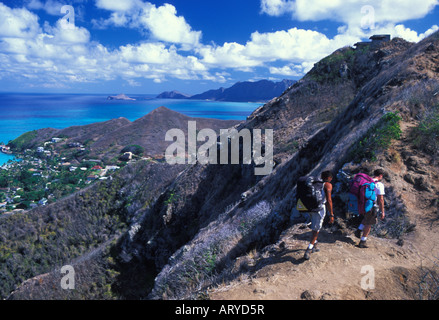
<point x="314" y="236"/>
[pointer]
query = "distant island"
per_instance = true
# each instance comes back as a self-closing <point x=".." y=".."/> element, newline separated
<point x="173" y="95"/>
<point x="263" y="90"/>
<point x="120" y="97"/>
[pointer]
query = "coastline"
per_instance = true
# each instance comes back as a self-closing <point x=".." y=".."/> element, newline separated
<point x="5" y="157"/>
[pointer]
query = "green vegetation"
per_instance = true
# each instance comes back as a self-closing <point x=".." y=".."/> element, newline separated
<point x="172" y="198"/>
<point x="28" y="182"/>
<point x="377" y="139"/>
<point x="32" y="244"/>
<point x="328" y="69"/>
<point x="22" y="141"/>
<point x="426" y="134"/>
<point x="44" y="173"/>
<point x="135" y="149"/>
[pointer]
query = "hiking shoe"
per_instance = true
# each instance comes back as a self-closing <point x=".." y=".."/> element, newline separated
<point x="358" y="233"/>
<point x="307" y="254"/>
<point x="315" y="249"/>
<point x="362" y="245"/>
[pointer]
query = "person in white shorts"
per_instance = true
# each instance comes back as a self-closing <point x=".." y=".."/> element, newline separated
<point x="317" y="217"/>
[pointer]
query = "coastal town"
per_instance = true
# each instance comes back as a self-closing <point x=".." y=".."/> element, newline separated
<point x="45" y="174"/>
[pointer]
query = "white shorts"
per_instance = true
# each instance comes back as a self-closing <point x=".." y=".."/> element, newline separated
<point x="317" y="218"/>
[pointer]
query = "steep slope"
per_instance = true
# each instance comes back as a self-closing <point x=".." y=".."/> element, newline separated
<point x="216" y="224"/>
<point x="399" y="71"/>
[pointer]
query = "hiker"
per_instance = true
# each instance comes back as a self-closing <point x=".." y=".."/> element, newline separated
<point x="318" y="216"/>
<point x="371" y="217"/>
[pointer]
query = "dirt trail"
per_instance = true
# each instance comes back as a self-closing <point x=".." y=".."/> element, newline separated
<point x="337" y="271"/>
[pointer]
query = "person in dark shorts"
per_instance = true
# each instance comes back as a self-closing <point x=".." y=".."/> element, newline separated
<point x="371" y="217"/>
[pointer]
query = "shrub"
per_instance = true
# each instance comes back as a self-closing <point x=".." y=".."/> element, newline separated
<point x="377" y="139"/>
<point x="135" y="149"/>
<point x="426" y="134"/>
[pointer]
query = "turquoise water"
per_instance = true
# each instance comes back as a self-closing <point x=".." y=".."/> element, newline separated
<point x="20" y="113"/>
<point x="5" y="157"/>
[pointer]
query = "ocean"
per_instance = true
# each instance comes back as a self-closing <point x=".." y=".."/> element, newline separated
<point x="20" y="113"/>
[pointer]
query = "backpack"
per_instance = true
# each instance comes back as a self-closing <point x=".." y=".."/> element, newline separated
<point x="370" y="195"/>
<point x="362" y="194"/>
<point x="309" y="195"/>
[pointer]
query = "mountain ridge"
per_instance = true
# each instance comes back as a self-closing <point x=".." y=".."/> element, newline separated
<point x="247" y="91"/>
<point x="219" y="231"/>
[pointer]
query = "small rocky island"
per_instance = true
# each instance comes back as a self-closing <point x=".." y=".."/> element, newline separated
<point x="119" y="97"/>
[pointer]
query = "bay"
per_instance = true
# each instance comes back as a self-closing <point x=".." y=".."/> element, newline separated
<point x="23" y="112"/>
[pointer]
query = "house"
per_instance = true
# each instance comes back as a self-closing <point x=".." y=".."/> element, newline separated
<point x="5" y="149"/>
<point x="75" y="145"/>
<point x="92" y="177"/>
<point x="97" y="168"/>
<point x="377" y="39"/>
<point x="40" y="149"/>
<point x="112" y="167"/>
<point x="126" y="156"/>
<point x="93" y="160"/>
<point x="55" y="140"/>
<point x="42" y="202"/>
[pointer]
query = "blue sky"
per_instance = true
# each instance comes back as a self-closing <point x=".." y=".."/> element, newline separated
<point x="146" y="47"/>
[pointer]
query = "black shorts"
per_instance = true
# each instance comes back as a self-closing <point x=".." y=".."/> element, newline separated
<point x="370" y="218"/>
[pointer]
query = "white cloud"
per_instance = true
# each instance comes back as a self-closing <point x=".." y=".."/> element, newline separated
<point x="165" y="25"/>
<point x="360" y="18"/>
<point x="162" y="23"/>
<point x="73" y="34"/>
<point x="277" y="7"/>
<point x="229" y="55"/>
<point x="293" y="70"/>
<point x="349" y="11"/>
<point x="118" y="5"/>
<point x="52" y="7"/>
<point x="56" y="56"/>
<point x="297" y="47"/>
<point x="18" y="23"/>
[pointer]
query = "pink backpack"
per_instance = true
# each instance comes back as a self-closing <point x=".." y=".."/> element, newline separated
<point x="356" y="187"/>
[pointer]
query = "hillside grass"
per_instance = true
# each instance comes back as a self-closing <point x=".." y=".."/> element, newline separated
<point x="22" y="142"/>
<point x="377" y="139"/>
<point x="426" y="134"/>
